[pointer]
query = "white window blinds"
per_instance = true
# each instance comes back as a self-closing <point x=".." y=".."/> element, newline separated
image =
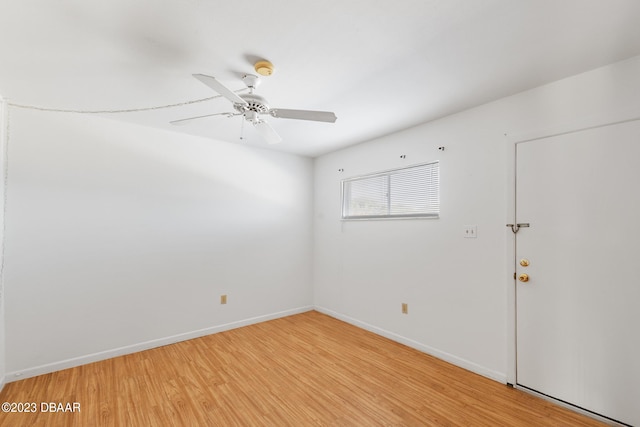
<point x="412" y="192"/>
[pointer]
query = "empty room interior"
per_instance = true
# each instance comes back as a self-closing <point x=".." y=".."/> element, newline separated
<point x="418" y="212"/>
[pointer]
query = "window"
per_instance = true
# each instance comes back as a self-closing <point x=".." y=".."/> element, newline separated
<point x="412" y="192"/>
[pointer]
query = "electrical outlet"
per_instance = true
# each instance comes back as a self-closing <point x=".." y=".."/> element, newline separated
<point x="470" y="231"/>
<point x="223" y="299"/>
<point x="405" y="308"/>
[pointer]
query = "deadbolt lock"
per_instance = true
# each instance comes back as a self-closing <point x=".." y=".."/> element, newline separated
<point x="524" y="277"/>
<point x="524" y="262"/>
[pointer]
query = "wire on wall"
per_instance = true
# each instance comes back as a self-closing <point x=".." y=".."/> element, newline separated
<point x="115" y="111"/>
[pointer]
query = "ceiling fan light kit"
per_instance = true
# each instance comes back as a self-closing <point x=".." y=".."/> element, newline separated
<point x="251" y="106"/>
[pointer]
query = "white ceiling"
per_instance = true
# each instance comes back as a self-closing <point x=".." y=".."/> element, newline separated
<point x="380" y="65"/>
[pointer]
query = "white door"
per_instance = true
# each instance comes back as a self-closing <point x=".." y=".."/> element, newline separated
<point x="578" y="315"/>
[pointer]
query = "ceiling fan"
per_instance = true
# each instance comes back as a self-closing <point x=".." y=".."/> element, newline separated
<point x="252" y="106"/>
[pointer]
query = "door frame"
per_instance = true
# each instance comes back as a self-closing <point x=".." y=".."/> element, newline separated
<point x="511" y="141"/>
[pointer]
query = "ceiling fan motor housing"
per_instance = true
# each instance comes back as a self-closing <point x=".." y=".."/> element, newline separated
<point x="255" y="105"/>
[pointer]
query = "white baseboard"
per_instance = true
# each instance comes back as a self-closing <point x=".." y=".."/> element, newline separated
<point x="454" y="360"/>
<point x="121" y="351"/>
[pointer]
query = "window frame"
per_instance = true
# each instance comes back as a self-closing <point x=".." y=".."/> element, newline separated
<point x="387" y="173"/>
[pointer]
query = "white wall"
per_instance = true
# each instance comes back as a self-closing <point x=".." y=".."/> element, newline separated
<point x="3" y="130"/>
<point x="121" y="237"/>
<point x="456" y="288"/>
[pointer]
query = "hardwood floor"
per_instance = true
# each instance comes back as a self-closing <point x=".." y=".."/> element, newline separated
<point x="307" y="369"/>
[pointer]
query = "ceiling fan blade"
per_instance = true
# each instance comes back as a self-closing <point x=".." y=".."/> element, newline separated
<point x="214" y="84"/>
<point x="181" y="122"/>
<point x="318" y="116"/>
<point x="267" y="132"/>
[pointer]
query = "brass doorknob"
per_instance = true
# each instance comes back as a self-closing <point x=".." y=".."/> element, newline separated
<point x="524" y="262"/>
<point x="524" y="277"/>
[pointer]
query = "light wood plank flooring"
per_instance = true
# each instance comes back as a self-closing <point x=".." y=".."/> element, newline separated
<point x="307" y="369"/>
